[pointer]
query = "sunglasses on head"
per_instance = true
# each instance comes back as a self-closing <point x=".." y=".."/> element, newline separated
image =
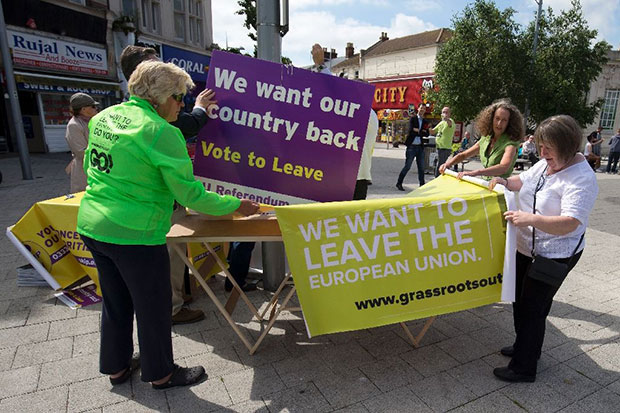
<point x="178" y="97"/>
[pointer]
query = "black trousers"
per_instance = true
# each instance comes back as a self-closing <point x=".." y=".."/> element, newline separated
<point x="361" y="189"/>
<point x="530" y="311"/>
<point x="134" y="278"/>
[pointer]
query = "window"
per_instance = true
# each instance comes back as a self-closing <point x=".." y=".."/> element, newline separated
<point x="179" y="19"/>
<point x="608" y="112"/>
<point x="129" y="7"/>
<point x="151" y="16"/>
<point x="82" y="2"/>
<point x="195" y="22"/>
<point x="56" y="107"/>
<point x="155" y="16"/>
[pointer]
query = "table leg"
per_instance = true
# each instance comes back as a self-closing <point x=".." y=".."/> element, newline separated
<point x="273" y="319"/>
<point x="234" y="283"/>
<point x="212" y="295"/>
<point x="416" y="340"/>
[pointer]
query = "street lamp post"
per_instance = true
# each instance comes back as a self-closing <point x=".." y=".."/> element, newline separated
<point x="270" y="30"/>
<point x="22" y="146"/>
<point x="534" y="46"/>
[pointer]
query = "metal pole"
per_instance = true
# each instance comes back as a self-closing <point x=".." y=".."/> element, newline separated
<point x="270" y="48"/>
<point x="268" y="30"/>
<point x="536" y="28"/>
<point x="22" y="146"/>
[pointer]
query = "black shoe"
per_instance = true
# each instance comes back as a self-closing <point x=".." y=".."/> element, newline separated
<point x="508" y="351"/>
<point x="400" y="187"/>
<point x="134" y="364"/>
<point x="183" y="376"/>
<point x="506" y="374"/>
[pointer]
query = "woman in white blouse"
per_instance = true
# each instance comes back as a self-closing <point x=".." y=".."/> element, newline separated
<point x="563" y="188"/>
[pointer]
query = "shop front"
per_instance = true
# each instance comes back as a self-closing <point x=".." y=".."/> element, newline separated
<point x="44" y="101"/>
<point x="48" y="70"/>
<point x="395" y="99"/>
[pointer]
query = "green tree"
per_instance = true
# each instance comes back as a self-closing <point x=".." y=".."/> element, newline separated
<point x="248" y="9"/>
<point x="490" y="57"/>
<point x="567" y="61"/>
<point x="483" y="61"/>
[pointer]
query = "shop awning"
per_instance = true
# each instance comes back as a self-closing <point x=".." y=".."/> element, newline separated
<point x="36" y="82"/>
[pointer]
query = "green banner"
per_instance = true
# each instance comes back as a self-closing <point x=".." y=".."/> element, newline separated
<point x="370" y="263"/>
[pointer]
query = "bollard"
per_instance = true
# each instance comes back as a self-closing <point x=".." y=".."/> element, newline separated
<point x="273" y="264"/>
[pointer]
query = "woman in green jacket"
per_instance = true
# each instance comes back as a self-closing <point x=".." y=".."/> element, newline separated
<point x="137" y="166"/>
<point x="501" y="127"/>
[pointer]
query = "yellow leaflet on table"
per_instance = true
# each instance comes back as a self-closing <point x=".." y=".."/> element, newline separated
<point x="48" y="231"/>
<point x="370" y="263"/>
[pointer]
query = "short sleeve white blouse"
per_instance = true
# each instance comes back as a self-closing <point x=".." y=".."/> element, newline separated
<point x="570" y="192"/>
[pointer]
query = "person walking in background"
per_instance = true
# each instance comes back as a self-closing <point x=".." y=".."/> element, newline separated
<point x="593" y="159"/>
<point x="415" y="147"/>
<point x="501" y="127"/>
<point x="189" y="124"/>
<point x="597" y="140"/>
<point x="556" y="197"/>
<point x="443" y="142"/>
<point x="83" y="107"/>
<point x="133" y="181"/>
<point x="614" y="153"/>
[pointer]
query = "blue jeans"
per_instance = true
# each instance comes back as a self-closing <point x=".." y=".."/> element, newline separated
<point x="417" y="152"/>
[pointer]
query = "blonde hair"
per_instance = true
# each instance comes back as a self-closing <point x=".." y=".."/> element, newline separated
<point x="156" y="81"/>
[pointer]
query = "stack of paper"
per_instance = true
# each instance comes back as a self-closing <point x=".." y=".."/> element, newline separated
<point x="27" y="276"/>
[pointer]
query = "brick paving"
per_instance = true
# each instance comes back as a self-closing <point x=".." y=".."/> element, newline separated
<point x="49" y="353"/>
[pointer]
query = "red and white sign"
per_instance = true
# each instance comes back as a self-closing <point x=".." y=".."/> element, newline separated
<point x="44" y="52"/>
<point x="399" y="94"/>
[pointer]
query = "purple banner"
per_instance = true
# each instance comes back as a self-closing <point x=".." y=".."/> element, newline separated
<point x="280" y="134"/>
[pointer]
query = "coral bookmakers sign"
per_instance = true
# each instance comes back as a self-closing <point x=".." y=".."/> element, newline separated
<point x="44" y="52"/>
<point x="399" y="94"/>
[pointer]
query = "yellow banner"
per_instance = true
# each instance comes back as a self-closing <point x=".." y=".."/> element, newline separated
<point x="48" y="231"/>
<point x="203" y="260"/>
<point x="370" y="263"/>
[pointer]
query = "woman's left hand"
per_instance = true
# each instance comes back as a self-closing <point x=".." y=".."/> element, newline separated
<point x="519" y="218"/>
<point x="468" y="173"/>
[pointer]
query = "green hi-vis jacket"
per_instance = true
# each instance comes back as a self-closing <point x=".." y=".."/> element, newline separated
<point x="137" y="165"/>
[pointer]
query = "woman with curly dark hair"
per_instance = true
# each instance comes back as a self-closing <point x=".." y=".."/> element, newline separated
<point x="501" y="127"/>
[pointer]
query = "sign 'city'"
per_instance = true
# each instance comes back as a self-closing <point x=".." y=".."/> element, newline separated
<point x="43" y="52"/>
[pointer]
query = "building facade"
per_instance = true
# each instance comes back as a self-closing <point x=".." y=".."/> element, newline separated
<point x="607" y="87"/>
<point x="181" y="31"/>
<point x="60" y="47"/>
<point x="402" y="71"/>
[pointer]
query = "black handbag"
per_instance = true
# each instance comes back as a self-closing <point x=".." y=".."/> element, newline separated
<point x="543" y="269"/>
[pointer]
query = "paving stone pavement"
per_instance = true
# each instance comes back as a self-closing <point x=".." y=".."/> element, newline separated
<point x="49" y="353"/>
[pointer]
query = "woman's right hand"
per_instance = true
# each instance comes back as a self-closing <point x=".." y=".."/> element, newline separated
<point x="443" y="167"/>
<point x="247" y="207"/>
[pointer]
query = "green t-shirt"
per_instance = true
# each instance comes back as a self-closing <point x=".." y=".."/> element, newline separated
<point x="497" y="152"/>
<point x="444" y="134"/>
<point x="137" y="165"/>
